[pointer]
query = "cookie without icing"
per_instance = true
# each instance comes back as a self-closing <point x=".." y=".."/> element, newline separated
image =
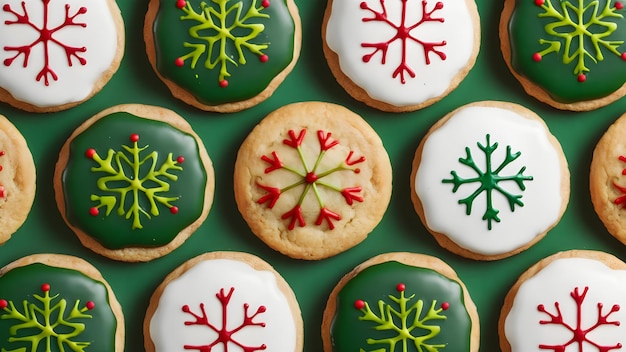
<point x="312" y="180"/>
<point x="134" y="182"/>
<point x="489" y="180"/>
<point x="57" y="54"/>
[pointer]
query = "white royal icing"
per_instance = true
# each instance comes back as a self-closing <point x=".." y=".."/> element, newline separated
<point x="199" y="285"/>
<point x="555" y="283"/>
<point x="346" y="31"/>
<point x="542" y="198"/>
<point x="75" y="82"/>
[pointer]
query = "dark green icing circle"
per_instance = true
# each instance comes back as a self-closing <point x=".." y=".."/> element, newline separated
<point x="558" y="79"/>
<point x="246" y="80"/>
<point x="115" y="231"/>
<point x="20" y="284"/>
<point x="376" y="283"/>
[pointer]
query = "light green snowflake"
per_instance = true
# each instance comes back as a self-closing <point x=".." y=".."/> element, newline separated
<point x="417" y="331"/>
<point x="217" y="26"/>
<point x="49" y="323"/>
<point x="144" y="178"/>
<point x="584" y="28"/>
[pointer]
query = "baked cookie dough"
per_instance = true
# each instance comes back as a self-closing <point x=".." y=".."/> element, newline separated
<point x="56" y="54"/>
<point x="55" y="303"/>
<point x="414" y="302"/>
<point x="222" y="299"/>
<point x="570" y="301"/>
<point x="312" y="180"/>
<point x="569" y="54"/>
<point x="222" y="55"/>
<point x="399" y="55"/>
<point x="134" y="182"/>
<point x="489" y="180"/>
<point x="17" y="179"/>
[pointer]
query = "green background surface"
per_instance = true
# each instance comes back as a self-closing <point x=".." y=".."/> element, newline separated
<point x="224" y="229"/>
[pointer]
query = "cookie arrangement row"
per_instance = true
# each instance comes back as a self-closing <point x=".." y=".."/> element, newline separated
<point x="395" y="56"/>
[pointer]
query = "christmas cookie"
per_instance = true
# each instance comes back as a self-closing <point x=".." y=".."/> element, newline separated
<point x="17" y="179"/>
<point x="489" y="180"/>
<point x="223" y="299"/>
<point x="222" y="55"/>
<point x="56" y="303"/>
<point x="570" y="301"/>
<point x="55" y="54"/>
<point x="607" y="179"/>
<point x="399" y="55"/>
<point x="567" y="53"/>
<point x="134" y="182"/>
<point x="400" y="302"/>
<point x="312" y="180"/>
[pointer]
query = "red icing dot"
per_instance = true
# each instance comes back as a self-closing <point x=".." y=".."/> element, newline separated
<point x="93" y="211"/>
<point x="223" y="83"/>
<point x="445" y="305"/>
<point x="582" y="78"/>
<point x="90" y="305"/>
<point x="264" y="58"/>
<point x="134" y="137"/>
<point x="2" y="192"/>
<point x="400" y="287"/>
<point x="90" y="153"/>
<point x="265" y="3"/>
<point x="45" y="287"/>
<point x="363" y="5"/>
<point x="174" y="210"/>
<point x="180" y="3"/>
<point x="619" y="5"/>
<point x="179" y="62"/>
<point x="180" y="159"/>
<point x="536" y="57"/>
<point x="359" y="304"/>
<point x="311" y="177"/>
<point x="539" y="2"/>
<point x="357" y="171"/>
<point x="3" y="303"/>
<point x="624" y="56"/>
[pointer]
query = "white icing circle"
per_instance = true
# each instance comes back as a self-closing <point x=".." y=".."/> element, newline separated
<point x="542" y="198"/>
<point x="346" y="31"/>
<point x="199" y="285"/>
<point x="75" y="82"/>
<point x="555" y="283"/>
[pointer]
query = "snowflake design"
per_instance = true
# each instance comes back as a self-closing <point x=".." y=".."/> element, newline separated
<point x="216" y="27"/>
<point x="46" y="38"/>
<point x="405" y="322"/>
<point x="403" y="34"/>
<point x="621" y="200"/>
<point x="489" y="180"/>
<point x="50" y="323"/>
<point x="578" y="27"/>
<point x="312" y="179"/>
<point x="225" y="336"/>
<point x="143" y="178"/>
<point x="579" y="335"/>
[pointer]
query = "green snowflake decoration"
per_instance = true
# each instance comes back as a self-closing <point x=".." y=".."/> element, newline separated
<point x="406" y="320"/>
<point x="144" y="177"/>
<point x="489" y="180"/>
<point x="584" y="27"/>
<point x="48" y="321"/>
<point x="217" y="27"/>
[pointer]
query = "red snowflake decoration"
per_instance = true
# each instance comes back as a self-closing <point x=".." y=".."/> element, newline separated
<point x="312" y="179"/>
<point x="46" y="38"/>
<point x="579" y="334"/>
<point x="403" y="34"/>
<point x="224" y="336"/>
<point x="3" y="192"/>
<point x="622" y="199"/>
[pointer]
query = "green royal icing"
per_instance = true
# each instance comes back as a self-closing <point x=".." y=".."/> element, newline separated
<point x="143" y="219"/>
<point x="444" y="330"/>
<point x="69" y="324"/>
<point x="223" y="40"/>
<point x="548" y="29"/>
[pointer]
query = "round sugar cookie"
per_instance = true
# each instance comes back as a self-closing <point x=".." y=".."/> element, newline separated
<point x="312" y="180"/>
<point x="134" y="182"/>
<point x="570" y="301"/>
<point x="221" y="300"/>
<point x="55" y="303"/>
<point x="607" y="180"/>
<point x="56" y="54"/>
<point x="224" y="55"/>
<point x="399" y="55"/>
<point x="489" y="180"/>
<point x="401" y="299"/>
<point x="17" y="179"/>
<point x="569" y="54"/>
